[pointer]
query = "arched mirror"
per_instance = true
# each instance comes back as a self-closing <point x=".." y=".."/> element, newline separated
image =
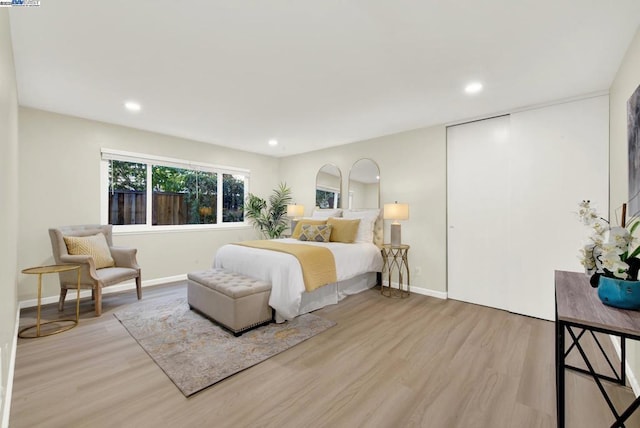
<point x="328" y="187"/>
<point x="364" y="185"/>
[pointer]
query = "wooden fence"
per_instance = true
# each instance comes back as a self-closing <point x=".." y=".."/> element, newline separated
<point x="129" y="207"/>
<point x="169" y="208"/>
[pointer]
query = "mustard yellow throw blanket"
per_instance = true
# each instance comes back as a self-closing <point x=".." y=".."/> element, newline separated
<point x="317" y="263"/>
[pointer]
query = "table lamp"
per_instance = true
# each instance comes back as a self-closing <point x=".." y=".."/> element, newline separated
<point x="396" y="212"/>
<point x="295" y="212"/>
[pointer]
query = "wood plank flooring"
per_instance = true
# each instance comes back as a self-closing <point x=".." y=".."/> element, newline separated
<point x="417" y="362"/>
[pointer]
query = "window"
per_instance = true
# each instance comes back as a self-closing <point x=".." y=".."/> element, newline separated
<point x="143" y="192"/>
<point x="183" y="196"/>
<point x="327" y="198"/>
<point x="127" y="193"/>
<point x="233" y="195"/>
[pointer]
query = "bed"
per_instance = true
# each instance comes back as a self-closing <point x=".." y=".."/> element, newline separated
<point x="356" y="266"/>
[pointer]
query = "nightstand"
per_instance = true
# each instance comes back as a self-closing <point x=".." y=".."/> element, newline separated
<point x="395" y="259"/>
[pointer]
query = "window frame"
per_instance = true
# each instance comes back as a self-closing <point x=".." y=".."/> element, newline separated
<point x="107" y="155"/>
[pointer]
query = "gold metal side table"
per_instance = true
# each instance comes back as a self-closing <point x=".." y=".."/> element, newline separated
<point x="41" y="270"/>
<point x="395" y="258"/>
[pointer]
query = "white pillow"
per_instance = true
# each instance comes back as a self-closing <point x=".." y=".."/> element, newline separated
<point x="367" y="223"/>
<point x="326" y="213"/>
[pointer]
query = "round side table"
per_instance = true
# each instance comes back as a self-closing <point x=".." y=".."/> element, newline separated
<point x="395" y="259"/>
<point x="41" y="270"/>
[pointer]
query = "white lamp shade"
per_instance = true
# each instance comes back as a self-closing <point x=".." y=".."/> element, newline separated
<point x="295" y="210"/>
<point x="396" y="211"/>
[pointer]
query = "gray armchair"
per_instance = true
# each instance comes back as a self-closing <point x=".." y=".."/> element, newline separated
<point x="126" y="267"/>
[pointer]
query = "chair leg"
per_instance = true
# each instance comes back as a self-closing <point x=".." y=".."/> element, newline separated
<point x="93" y="294"/>
<point x="98" y="304"/>
<point x="63" y="295"/>
<point x="139" y="287"/>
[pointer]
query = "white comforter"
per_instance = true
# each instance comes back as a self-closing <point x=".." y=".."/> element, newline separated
<point x="284" y="273"/>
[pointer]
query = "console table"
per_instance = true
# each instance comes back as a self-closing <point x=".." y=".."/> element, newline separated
<point x="578" y="311"/>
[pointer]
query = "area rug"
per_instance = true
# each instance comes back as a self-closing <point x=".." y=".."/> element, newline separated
<point x="196" y="353"/>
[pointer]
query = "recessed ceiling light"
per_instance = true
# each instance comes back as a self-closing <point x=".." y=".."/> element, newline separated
<point x="273" y="142"/>
<point x="132" y="106"/>
<point x="473" y="88"/>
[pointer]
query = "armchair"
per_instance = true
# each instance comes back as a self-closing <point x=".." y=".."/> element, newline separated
<point x="126" y="266"/>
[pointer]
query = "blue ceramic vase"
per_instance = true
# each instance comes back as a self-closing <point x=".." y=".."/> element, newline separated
<point x="619" y="293"/>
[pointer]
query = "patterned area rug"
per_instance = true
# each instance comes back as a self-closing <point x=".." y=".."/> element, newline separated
<point x="196" y="353"/>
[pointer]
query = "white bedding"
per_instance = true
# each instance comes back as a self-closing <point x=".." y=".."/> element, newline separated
<point x="284" y="273"/>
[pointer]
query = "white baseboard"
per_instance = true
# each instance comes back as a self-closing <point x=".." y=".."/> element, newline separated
<point x="633" y="381"/>
<point x="6" y="406"/>
<point x="125" y="286"/>
<point x="424" y="291"/>
<point x="431" y="293"/>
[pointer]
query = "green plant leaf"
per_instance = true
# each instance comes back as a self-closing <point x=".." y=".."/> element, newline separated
<point x="269" y="218"/>
<point x="634" y="253"/>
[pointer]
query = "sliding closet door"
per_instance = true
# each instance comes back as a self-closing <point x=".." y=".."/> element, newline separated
<point x="560" y="156"/>
<point x="478" y="211"/>
<point x="514" y="184"/>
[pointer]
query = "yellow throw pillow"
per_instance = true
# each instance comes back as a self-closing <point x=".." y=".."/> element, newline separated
<point x="315" y="233"/>
<point x="343" y="230"/>
<point x="298" y="229"/>
<point x="95" y="246"/>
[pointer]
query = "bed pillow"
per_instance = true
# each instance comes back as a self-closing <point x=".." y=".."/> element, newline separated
<point x="315" y="233"/>
<point x="367" y="223"/>
<point x="343" y="230"/>
<point x="326" y="212"/>
<point x="302" y="222"/>
<point x="95" y="246"/>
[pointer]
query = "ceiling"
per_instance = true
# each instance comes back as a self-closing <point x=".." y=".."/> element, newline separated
<point x="311" y="74"/>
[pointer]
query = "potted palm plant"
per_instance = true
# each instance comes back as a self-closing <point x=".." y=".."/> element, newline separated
<point x="269" y="218"/>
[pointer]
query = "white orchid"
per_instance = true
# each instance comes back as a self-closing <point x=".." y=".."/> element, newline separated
<point x="620" y="237"/>
<point x="587" y="258"/>
<point x="599" y="228"/>
<point x="609" y="247"/>
<point x="597" y="239"/>
<point x="611" y="259"/>
<point x="587" y="214"/>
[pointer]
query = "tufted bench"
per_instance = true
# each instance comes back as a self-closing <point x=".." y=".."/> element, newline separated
<point x="236" y="301"/>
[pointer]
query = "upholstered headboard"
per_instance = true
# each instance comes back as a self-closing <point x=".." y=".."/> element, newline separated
<point x="378" y="227"/>
<point x="378" y="231"/>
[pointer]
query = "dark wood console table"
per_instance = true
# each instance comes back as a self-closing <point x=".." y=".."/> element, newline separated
<point x="578" y="311"/>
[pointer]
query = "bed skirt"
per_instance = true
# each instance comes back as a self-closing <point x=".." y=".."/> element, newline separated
<point x="331" y="294"/>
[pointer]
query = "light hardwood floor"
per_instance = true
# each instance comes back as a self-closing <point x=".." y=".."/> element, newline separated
<point x="417" y="362"/>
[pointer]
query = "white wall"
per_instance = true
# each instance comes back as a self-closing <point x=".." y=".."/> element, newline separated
<point x="59" y="164"/>
<point x="9" y="210"/>
<point x="626" y="81"/>
<point x="412" y="170"/>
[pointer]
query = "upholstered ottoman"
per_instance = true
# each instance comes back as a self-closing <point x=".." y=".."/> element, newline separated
<point x="236" y="301"/>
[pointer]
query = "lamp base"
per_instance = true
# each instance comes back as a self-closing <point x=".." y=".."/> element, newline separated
<point x="396" y="233"/>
